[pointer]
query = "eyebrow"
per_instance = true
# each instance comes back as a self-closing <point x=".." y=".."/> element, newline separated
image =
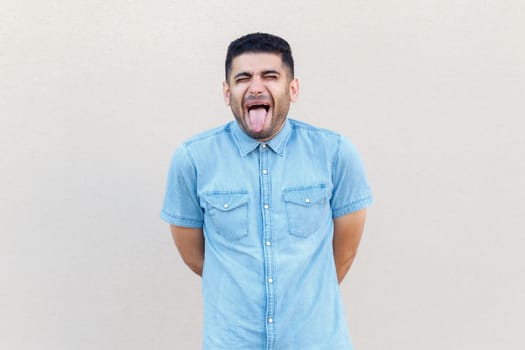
<point x="242" y="74"/>
<point x="265" y="72"/>
<point x="271" y="71"/>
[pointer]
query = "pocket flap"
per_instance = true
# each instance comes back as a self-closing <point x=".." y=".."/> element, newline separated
<point x="226" y="201"/>
<point x="307" y="196"/>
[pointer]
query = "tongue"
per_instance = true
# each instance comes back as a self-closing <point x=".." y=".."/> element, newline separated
<point x="257" y="117"/>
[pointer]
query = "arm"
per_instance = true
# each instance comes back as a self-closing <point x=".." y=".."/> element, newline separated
<point x="347" y="235"/>
<point x="190" y="243"/>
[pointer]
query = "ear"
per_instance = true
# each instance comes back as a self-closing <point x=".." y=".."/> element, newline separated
<point x="226" y="92"/>
<point x="294" y="89"/>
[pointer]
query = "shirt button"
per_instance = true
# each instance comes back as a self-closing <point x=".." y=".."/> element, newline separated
<point x="266" y="206"/>
<point x="270" y="280"/>
<point x="225" y="205"/>
<point x="263" y="145"/>
<point x="307" y="200"/>
<point x="268" y="243"/>
<point x="265" y="172"/>
<point x="270" y="320"/>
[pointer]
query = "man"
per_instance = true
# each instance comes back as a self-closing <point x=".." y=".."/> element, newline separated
<point x="268" y="210"/>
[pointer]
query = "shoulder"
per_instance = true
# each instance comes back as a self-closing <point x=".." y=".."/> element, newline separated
<point x="302" y="128"/>
<point x="319" y="136"/>
<point x="334" y="144"/>
<point x="206" y="145"/>
<point x="209" y="135"/>
<point x="305" y="127"/>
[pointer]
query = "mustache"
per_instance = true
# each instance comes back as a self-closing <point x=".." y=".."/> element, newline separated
<point x="259" y="98"/>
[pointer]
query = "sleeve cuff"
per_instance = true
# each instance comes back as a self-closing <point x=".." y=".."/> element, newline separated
<point x="180" y="221"/>
<point x="354" y="206"/>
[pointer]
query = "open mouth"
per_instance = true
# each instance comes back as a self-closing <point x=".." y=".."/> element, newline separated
<point x="257" y="115"/>
<point x="258" y="106"/>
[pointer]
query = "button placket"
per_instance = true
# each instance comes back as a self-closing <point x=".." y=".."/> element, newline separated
<point x="264" y="181"/>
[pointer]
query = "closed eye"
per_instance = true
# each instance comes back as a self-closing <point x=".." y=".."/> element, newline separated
<point x="271" y="77"/>
<point x="243" y="79"/>
<point x="271" y="74"/>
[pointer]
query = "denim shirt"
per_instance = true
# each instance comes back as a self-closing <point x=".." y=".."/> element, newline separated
<point x="267" y="209"/>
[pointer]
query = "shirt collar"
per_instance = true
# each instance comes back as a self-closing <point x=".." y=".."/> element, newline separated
<point x="246" y="144"/>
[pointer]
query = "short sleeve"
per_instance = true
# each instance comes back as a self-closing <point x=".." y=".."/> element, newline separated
<point x="181" y="204"/>
<point x="351" y="190"/>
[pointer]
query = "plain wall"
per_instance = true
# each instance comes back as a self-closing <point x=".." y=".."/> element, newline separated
<point x="96" y="95"/>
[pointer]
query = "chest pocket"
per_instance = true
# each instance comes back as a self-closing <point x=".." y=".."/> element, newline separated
<point x="228" y="214"/>
<point x="306" y="209"/>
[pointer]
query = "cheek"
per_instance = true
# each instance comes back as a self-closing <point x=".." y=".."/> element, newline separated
<point x="280" y="97"/>
<point x="236" y="98"/>
<point x="236" y="102"/>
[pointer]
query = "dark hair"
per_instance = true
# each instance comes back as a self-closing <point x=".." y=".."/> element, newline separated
<point x="256" y="43"/>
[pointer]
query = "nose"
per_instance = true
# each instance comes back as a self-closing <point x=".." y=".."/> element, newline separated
<point x="256" y="86"/>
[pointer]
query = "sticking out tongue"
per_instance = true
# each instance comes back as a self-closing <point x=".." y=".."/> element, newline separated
<point x="257" y="117"/>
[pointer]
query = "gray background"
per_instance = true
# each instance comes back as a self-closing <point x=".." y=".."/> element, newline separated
<point x="96" y="95"/>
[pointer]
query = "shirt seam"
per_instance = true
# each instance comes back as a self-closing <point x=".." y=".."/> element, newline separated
<point x="335" y="158"/>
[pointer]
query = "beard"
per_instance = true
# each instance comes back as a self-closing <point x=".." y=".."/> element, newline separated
<point x="277" y="117"/>
<point x="276" y="123"/>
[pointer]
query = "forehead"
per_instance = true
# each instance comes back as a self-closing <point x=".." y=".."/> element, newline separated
<point x="257" y="62"/>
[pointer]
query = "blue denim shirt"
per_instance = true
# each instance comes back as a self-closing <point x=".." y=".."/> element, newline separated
<point x="267" y="209"/>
